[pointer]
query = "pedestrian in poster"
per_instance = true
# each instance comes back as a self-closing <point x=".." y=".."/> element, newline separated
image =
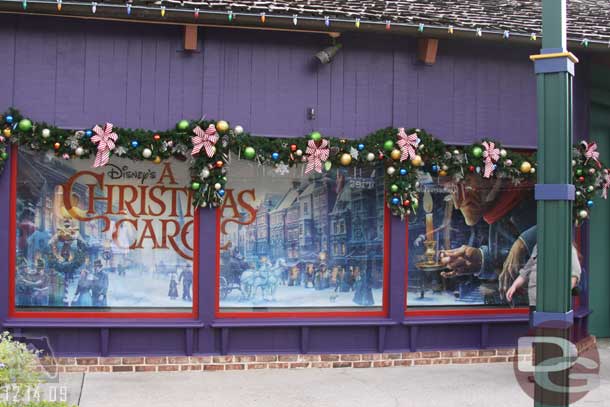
<point x="82" y="296"/>
<point x="187" y="280"/>
<point x="363" y="293"/>
<point x="39" y="282"/>
<point x="99" y="287"/>
<point x="173" y="287"/>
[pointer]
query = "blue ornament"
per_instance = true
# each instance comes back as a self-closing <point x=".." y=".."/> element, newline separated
<point x="135" y="143"/>
<point x="360" y="146"/>
<point x="88" y="133"/>
<point x="403" y="171"/>
<point x="221" y="192"/>
<point x="395" y="201"/>
<point x="435" y="168"/>
<point x="9" y="119"/>
<point x="275" y="156"/>
<point x="590" y="203"/>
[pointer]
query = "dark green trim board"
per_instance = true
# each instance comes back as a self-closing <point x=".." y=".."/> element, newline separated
<point x="599" y="229"/>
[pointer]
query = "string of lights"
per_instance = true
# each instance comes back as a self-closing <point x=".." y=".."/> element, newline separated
<point x="326" y="21"/>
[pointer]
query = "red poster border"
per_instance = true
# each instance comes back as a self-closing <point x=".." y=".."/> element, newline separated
<point x="384" y="312"/>
<point x="14" y="313"/>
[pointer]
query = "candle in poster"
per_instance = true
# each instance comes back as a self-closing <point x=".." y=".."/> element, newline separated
<point x="119" y="236"/>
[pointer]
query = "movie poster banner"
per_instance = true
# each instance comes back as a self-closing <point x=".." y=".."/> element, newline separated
<point x="115" y="238"/>
<point x="468" y="240"/>
<point x="295" y="241"/>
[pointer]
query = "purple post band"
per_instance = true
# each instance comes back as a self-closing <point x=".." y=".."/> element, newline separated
<point x="561" y="320"/>
<point x="554" y="192"/>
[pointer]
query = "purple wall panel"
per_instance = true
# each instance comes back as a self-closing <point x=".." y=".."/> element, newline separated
<point x="76" y="73"/>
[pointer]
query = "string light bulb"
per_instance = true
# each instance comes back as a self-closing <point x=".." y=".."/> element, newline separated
<point x="230" y="15"/>
<point x="421" y="27"/>
<point x="479" y="32"/>
<point x="327" y="21"/>
<point x="585" y="42"/>
<point x="450" y="30"/>
<point x="506" y="34"/>
<point x="263" y="17"/>
<point x="357" y="22"/>
<point x="162" y="11"/>
<point x="295" y="19"/>
<point x="533" y="37"/>
<point x="388" y="24"/>
<point x="93" y="7"/>
<point x="196" y="13"/>
<point x="24" y="4"/>
<point x="128" y="7"/>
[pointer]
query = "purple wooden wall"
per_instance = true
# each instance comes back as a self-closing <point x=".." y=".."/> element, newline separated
<point x="78" y="73"/>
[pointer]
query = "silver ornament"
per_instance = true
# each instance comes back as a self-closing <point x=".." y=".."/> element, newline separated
<point x="583" y="214"/>
<point x="46" y="133"/>
<point x="205" y="173"/>
<point x="79" y="151"/>
<point x="217" y="186"/>
<point x="238" y="130"/>
<point x="147" y="153"/>
<point x="299" y="152"/>
<point x="391" y="170"/>
<point x="370" y="157"/>
<point x="503" y="153"/>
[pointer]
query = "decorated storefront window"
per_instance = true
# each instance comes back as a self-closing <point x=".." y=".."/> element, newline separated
<point x="113" y="238"/>
<point x="468" y="240"/>
<point x="296" y="241"/>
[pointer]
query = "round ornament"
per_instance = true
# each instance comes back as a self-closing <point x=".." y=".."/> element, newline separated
<point x="434" y="168"/>
<point x="456" y="152"/>
<point x="328" y="165"/>
<point x="406" y="202"/>
<point x="79" y="151"/>
<point x="299" y="152"/>
<point x="526" y="167"/>
<point x="316" y="136"/>
<point x="249" y="153"/>
<point x="156" y="137"/>
<point x="388" y="145"/>
<point x="346" y="159"/>
<point x="533" y="170"/>
<point x="56" y="146"/>
<point x="6" y="132"/>
<point x="394" y="188"/>
<point x="442" y="173"/>
<point x="25" y="125"/>
<point x="88" y="133"/>
<point x="391" y="170"/>
<point x="238" y="130"/>
<point x="183" y="125"/>
<point x="417" y="161"/>
<point x="395" y="201"/>
<point x="579" y="172"/>
<point x="205" y="173"/>
<point x="444" y="168"/>
<point x="147" y="153"/>
<point x="581" y="179"/>
<point x="4" y="155"/>
<point x="503" y="153"/>
<point x="370" y="157"/>
<point x="508" y="163"/>
<point x="583" y="214"/>
<point x="471" y="168"/>
<point x="591" y="171"/>
<point x="157" y="160"/>
<point x="293" y="147"/>
<point x="221" y="192"/>
<point x="9" y="119"/>
<point x="477" y="151"/>
<point x="578" y="193"/>
<point x="195" y="186"/>
<point x="222" y="126"/>
<point x="275" y="156"/>
<point x="395" y="154"/>
<point x="219" y="163"/>
<point x="45" y="133"/>
<point x="403" y="171"/>
<point x="590" y="203"/>
<point x="590" y="188"/>
<point x="218" y="186"/>
<point x="360" y="147"/>
<point x="135" y="143"/>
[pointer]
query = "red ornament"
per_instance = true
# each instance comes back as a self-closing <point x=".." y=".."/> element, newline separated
<point x="293" y="147"/>
<point x="581" y="178"/>
<point x="156" y="137"/>
<point x="406" y="202"/>
<point x="219" y="163"/>
<point x="56" y="146"/>
<point x="380" y="155"/>
<point x="471" y="168"/>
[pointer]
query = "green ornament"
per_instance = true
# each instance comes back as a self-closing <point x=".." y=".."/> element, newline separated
<point x="183" y="125"/>
<point x="195" y="186"/>
<point x="25" y="125"/>
<point x="477" y="151"/>
<point x="579" y="172"/>
<point x="249" y="153"/>
<point x="328" y="165"/>
<point x="388" y="145"/>
<point x="316" y="136"/>
<point x="4" y="155"/>
<point x="394" y="188"/>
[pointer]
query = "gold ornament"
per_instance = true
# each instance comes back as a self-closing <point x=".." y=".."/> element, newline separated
<point x="222" y="126"/>
<point x="417" y="161"/>
<point x="346" y="159"/>
<point x="6" y="132"/>
<point x="395" y="154"/>
<point x="157" y="160"/>
<point x="526" y="167"/>
<point x="442" y="173"/>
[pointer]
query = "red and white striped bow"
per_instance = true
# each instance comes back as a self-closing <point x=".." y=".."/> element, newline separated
<point x="605" y="184"/>
<point x="204" y="139"/>
<point x="592" y="153"/>
<point x="407" y="144"/>
<point x="105" y="139"/>
<point x="316" y="155"/>
<point x="491" y="155"/>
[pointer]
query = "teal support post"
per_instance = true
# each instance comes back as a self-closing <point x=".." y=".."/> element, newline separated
<point x="553" y="316"/>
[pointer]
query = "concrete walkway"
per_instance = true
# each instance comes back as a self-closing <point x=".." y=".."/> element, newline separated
<point x="429" y="386"/>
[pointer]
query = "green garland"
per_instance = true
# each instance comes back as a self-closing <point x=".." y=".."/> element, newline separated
<point x="209" y="173"/>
